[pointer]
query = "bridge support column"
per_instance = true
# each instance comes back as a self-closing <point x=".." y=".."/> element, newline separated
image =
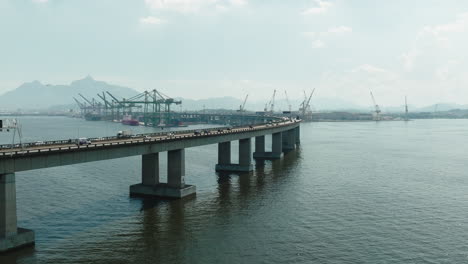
<point x="11" y="236"/>
<point x="175" y="186"/>
<point x="276" y="148"/>
<point x="259" y="144"/>
<point x="245" y="160"/>
<point x="150" y="169"/>
<point x="298" y="135"/>
<point x="289" y="140"/>
<point x="245" y="154"/>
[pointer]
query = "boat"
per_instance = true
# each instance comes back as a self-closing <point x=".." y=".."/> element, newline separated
<point x="128" y="120"/>
<point x="92" y="117"/>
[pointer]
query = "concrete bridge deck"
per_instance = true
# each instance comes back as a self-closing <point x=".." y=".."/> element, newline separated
<point x="63" y="152"/>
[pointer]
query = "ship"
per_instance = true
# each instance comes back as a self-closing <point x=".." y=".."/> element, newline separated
<point x="128" y="120"/>
<point x="92" y="117"/>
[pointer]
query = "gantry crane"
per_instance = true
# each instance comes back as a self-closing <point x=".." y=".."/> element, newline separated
<point x="156" y="107"/>
<point x="377" y="108"/>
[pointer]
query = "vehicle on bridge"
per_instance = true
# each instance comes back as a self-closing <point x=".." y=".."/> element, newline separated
<point x="83" y="141"/>
<point x="124" y="134"/>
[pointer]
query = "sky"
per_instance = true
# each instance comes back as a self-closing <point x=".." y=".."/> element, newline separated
<point x="209" y="48"/>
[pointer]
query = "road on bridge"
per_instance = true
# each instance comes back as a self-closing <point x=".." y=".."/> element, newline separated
<point x="13" y="150"/>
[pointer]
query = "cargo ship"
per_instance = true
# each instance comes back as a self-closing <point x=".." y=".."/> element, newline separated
<point x="92" y="117"/>
<point x="128" y="120"/>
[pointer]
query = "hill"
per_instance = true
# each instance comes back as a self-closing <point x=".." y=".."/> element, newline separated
<point x="35" y="95"/>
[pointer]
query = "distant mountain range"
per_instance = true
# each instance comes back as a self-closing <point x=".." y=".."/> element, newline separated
<point x="37" y="96"/>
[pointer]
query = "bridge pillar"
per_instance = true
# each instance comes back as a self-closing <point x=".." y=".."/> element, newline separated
<point x="275" y="151"/>
<point x="175" y="186"/>
<point x="298" y="135"/>
<point x="150" y="169"/>
<point x="245" y="154"/>
<point x="289" y="140"/>
<point x="259" y="144"/>
<point x="11" y="236"/>
<point x="176" y="168"/>
<point x="245" y="160"/>
<point x="224" y="153"/>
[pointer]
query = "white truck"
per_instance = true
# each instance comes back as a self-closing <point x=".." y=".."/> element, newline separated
<point x="83" y="141"/>
<point x="124" y="134"/>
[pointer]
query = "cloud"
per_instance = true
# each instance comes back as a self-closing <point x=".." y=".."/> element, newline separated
<point x="238" y="2"/>
<point x="436" y="39"/>
<point x="151" y="20"/>
<point x="317" y="44"/>
<point x="193" y="6"/>
<point x="318" y="38"/>
<point x="321" y="7"/>
<point x="40" y="1"/>
<point x="460" y="25"/>
<point x="340" y="30"/>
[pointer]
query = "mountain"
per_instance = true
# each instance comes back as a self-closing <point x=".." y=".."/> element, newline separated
<point x="442" y="107"/>
<point x="35" y="95"/>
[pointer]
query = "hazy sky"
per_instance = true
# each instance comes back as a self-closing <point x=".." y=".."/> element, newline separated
<point x="206" y="48"/>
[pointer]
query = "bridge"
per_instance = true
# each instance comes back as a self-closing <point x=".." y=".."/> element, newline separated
<point x="32" y="156"/>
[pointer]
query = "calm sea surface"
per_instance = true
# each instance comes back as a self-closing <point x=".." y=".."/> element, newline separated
<point x="389" y="192"/>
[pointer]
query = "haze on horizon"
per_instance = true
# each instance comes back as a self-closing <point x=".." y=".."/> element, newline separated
<point x="207" y="48"/>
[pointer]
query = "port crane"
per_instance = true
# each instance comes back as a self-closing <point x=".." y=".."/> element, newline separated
<point x="305" y="105"/>
<point x="289" y="104"/>
<point x="271" y="103"/>
<point x="406" y="110"/>
<point x="377" y="108"/>
<point x="93" y="107"/>
<point x="242" y="106"/>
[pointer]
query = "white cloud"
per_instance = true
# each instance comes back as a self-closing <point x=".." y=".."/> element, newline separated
<point x="317" y="44"/>
<point x="40" y="1"/>
<point x="150" y="20"/>
<point x="458" y="26"/>
<point x="377" y="72"/>
<point x="221" y="8"/>
<point x="238" y="2"/>
<point x="436" y="39"/>
<point x="183" y="6"/>
<point x="321" y="7"/>
<point x="318" y="38"/>
<point x="309" y="34"/>
<point x="193" y="6"/>
<point x="340" y="30"/>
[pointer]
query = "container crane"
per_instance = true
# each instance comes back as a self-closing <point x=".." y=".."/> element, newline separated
<point x="81" y="105"/>
<point x="377" y="108"/>
<point x="88" y="101"/>
<point x="289" y="104"/>
<point x="272" y="105"/>
<point x="242" y="106"/>
<point x="305" y="105"/>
